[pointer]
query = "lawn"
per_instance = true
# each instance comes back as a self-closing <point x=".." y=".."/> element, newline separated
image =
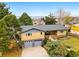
<point x="72" y="41"/>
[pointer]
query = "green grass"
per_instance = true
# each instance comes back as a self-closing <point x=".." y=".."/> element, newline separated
<point x="73" y="42"/>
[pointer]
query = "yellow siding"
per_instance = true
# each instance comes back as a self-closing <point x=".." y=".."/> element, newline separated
<point x="75" y="28"/>
<point x="34" y="36"/>
<point x="61" y="33"/>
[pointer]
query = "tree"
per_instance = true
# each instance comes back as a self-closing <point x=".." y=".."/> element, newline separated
<point x="61" y="13"/>
<point x="25" y="19"/>
<point x="4" y="10"/>
<point x="4" y="44"/>
<point x="12" y="25"/>
<point x="3" y="29"/>
<point x="8" y="28"/>
<point x="68" y="19"/>
<point x="50" y="19"/>
<point x="8" y="31"/>
<point x="11" y="22"/>
<point x="55" y="48"/>
<point x="60" y="50"/>
<point x="50" y="46"/>
<point x="4" y="37"/>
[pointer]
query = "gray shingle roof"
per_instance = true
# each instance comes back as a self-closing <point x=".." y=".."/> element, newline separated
<point x="44" y="27"/>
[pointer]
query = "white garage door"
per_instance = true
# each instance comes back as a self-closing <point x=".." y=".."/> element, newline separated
<point x="37" y="43"/>
<point x="32" y="43"/>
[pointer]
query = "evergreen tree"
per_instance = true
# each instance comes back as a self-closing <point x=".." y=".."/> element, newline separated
<point x="4" y="10"/>
<point x="25" y="19"/>
<point x="50" y="19"/>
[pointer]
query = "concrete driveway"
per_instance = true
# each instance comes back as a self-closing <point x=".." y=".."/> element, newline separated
<point x="34" y="52"/>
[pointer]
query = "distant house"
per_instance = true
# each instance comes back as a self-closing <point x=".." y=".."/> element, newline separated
<point x="34" y="35"/>
<point x="75" y="29"/>
<point x="38" y="22"/>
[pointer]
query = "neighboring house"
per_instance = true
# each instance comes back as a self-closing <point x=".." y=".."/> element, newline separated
<point x="38" y="22"/>
<point x="75" y="20"/>
<point x="34" y="35"/>
<point x="75" y="29"/>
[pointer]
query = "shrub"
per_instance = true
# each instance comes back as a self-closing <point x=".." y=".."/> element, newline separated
<point x="55" y="48"/>
<point x="71" y="53"/>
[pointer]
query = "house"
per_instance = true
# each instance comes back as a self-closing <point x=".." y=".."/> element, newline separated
<point x="38" y="22"/>
<point x="34" y="35"/>
<point x="75" y="29"/>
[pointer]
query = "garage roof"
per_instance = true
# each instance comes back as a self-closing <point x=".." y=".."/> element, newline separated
<point x="43" y="27"/>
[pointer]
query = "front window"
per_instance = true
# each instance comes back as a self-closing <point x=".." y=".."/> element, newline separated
<point x="61" y="31"/>
<point x="41" y="33"/>
<point x="29" y="34"/>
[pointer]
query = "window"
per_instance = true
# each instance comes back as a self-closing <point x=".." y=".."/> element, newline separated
<point x="61" y="31"/>
<point x="41" y="33"/>
<point x="29" y="34"/>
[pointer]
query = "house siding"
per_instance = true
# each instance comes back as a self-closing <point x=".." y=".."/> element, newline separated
<point x="61" y="33"/>
<point x="34" y="36"/>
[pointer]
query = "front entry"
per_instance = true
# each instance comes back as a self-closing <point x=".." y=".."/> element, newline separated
<point x="32" y="43"/>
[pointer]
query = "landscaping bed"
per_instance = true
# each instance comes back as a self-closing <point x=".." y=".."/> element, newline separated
<point x="13" y="53"/>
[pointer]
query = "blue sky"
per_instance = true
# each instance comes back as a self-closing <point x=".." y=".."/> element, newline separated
<point x="42" y="8"/>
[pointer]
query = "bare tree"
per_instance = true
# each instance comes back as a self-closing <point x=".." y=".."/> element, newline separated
<point x="61" y="13"/>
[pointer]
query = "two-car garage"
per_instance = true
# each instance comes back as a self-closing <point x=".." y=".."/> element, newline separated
<point x="32" y="43"/>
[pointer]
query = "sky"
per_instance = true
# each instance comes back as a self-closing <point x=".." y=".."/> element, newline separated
<point x="43" y="8"/>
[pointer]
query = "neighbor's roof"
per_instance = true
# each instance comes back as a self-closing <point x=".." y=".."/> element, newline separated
<point x="44" y="27"/>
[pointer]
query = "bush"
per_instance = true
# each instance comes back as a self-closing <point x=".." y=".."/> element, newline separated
<point x="44" y="42"/>
<point x="72" y="53"/>
<point x="54" y="48"/>
<point x="20" y="44"/>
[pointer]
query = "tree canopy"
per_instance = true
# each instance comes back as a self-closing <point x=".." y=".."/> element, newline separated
<point x="8" y="25"/>
<point x="50" y="19"/>
<point x="4" y="37"/>
<point x="68" y="19"/>
<point x="11" y="21"/>
<point x="4" y="10"/>
<point x="25" y="19"/>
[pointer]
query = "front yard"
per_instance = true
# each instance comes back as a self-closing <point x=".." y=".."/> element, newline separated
<point x="54" y="47"/>
<point x="72" y="42"/>
<point x="66" y="47"/>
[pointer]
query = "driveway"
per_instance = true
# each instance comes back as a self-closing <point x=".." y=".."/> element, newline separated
<point x="34" y="52"/>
